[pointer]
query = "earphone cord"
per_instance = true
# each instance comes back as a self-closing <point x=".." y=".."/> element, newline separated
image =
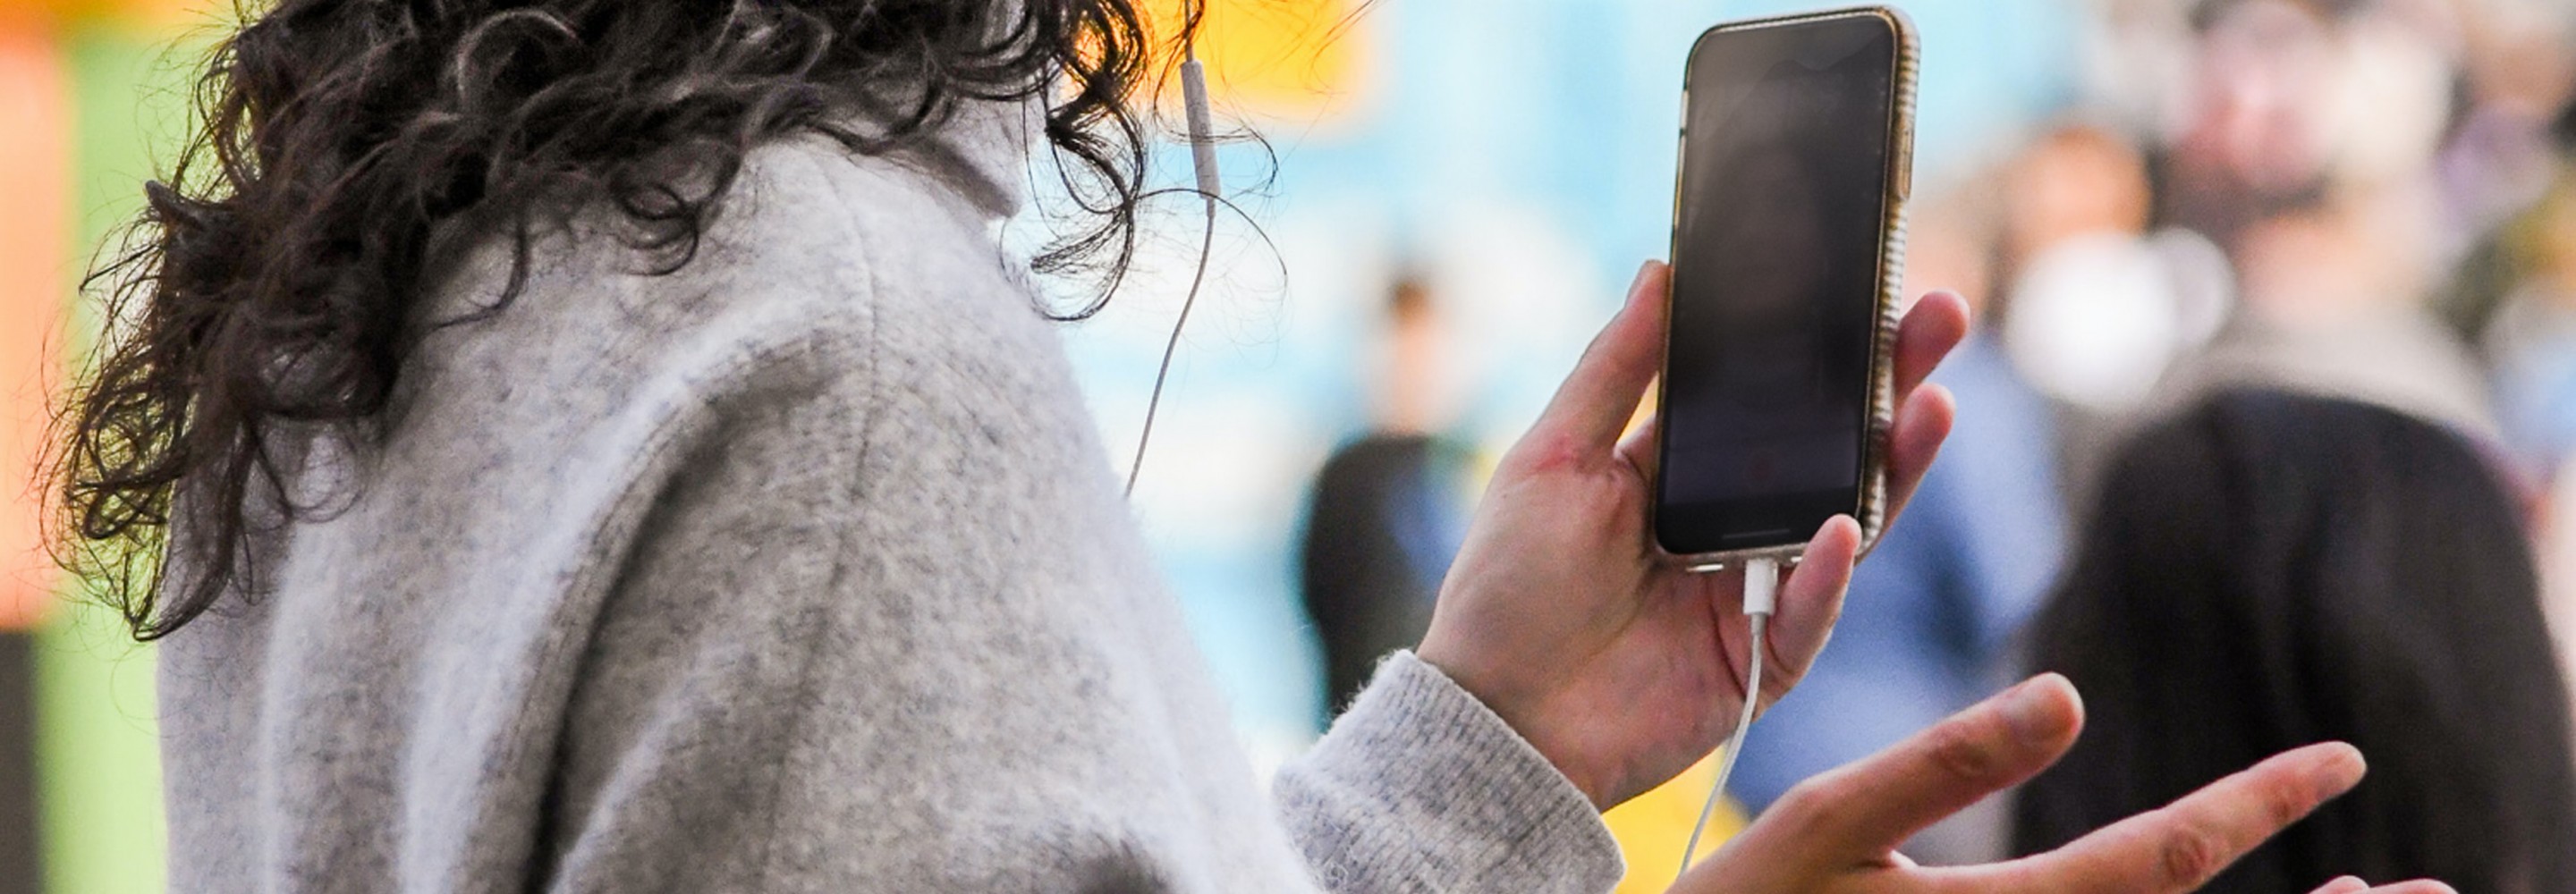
<point x="1207" y="244"/>
<point x="1203" y="164"/>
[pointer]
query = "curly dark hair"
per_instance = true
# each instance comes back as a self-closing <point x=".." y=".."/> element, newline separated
<point x="263" y="293"/>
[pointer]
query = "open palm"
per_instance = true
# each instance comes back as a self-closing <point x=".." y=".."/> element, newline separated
<point x="1838" y="832"/>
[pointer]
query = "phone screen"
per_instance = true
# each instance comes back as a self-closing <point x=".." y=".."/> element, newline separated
<point x="1787" y="140"/>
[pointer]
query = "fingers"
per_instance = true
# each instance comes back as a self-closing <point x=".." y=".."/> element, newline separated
<point x="1922" y="424"/>
<point x="2184" y="845"/>
<point x="2354" y="885"/>
<point x="1929" y="332"/>
<point x="1811" y="601"/>
<point x="1598" y="398"/>
<point x="1862" y="811"/>
<point x="1638" y="448"/>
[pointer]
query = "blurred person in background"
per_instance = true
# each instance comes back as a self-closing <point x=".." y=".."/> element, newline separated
<point x="2310" y="158"/>
<point x="2138" y="64"/>
<point x="2531" y="342"/>
<point x="2097" y="306"/>
<point x="2531" y="348"/>
<point x="2269" y="568"/>
<point x="1390" y="508"/>
<point x="2243" y="135"/>
<point x="1942" y="595"/>
<point x="2501" y="156"/>
<point x="2518" y="63"/>
<point x="2558" y="571"/>
<point x="19" y="849"/>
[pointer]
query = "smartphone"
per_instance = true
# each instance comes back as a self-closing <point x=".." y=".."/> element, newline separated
<point x="1788" y="235"/>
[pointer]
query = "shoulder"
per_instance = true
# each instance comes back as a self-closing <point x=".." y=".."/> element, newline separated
<point x="808" y="254"/>
<point x="832" y="299"/>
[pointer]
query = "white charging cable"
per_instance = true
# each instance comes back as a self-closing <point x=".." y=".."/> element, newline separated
<point x="1761" y="598"/>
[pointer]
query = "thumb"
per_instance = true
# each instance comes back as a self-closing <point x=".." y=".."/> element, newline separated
<point x="1594" y="405"/>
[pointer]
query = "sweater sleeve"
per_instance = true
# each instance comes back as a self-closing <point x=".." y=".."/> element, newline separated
<point x="1419" y="787"/>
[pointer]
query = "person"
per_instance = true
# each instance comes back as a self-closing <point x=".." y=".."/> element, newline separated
<point x="602" y="446"/>
<point x="2271" y="568"/>
<point x="2328" y="216"/>
<point x="2101" y="302"/>
<point x="2530" y="344"/>
<point x="20" y="851"/>
<point x="1388" y="509"/>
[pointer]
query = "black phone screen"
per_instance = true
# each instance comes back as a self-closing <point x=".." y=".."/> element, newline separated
<point x="1776" y="282"/>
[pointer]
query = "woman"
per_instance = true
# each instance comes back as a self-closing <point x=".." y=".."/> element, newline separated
<point x="597" y="445"/>
<point x="2269" y="569"/>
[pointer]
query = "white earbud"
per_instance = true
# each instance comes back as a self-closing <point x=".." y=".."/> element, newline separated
<point x="1194" y="99"/>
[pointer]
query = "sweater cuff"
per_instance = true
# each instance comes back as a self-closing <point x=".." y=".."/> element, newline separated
<point x="1453" y="798"/>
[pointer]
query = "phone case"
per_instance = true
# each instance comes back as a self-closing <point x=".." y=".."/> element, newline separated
<point x="1872" y="513"/>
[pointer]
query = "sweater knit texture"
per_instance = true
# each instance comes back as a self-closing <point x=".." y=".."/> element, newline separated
<point x="799" y="569"/>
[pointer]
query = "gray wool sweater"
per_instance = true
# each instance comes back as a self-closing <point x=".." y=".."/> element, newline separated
<point x="800" y="569"/>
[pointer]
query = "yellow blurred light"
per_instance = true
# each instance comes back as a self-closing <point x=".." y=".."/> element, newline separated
<point x="1301" y="60"/>
<point x="1653" y="828"/>
<point x="147" y="13"/>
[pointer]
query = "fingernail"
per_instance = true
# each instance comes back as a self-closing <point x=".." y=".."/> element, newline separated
<point x="2026" y="710"/>
<point x="1817" y="542"/>
<point x="2339" y="772"/>
<point x="1637" y="284"/>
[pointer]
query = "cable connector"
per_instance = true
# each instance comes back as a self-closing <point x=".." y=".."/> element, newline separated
<point x="1761" y="587"/>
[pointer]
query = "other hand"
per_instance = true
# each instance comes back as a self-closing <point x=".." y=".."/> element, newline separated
<point x="1839" y="831"/>
<point x="1563" y="616"/>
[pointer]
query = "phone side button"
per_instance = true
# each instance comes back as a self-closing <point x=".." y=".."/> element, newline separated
<point x="1905" y="174"/>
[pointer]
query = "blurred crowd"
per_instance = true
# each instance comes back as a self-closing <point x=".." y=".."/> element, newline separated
<point x="2265" y="438"/>
<point x="2268" y="423"/>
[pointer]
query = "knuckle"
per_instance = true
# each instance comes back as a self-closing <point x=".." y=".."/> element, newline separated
<point x="1545" y="453"/>
<point x="1619" y="502"/>
<point x="1958" y="750"/>
<point x="2283" y="803"/>
<point x="1805" y="807"/>
<point x="2190" y="855"/>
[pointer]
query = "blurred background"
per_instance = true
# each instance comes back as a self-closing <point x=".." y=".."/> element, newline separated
<point x="2145" y="199"/>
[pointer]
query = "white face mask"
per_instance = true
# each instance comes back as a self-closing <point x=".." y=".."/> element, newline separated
<point x="2097" y="320"/>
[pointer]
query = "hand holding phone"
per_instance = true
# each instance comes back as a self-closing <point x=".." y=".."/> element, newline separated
<point x="1561" y="612"/>
<point x="1562" y="616"/>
